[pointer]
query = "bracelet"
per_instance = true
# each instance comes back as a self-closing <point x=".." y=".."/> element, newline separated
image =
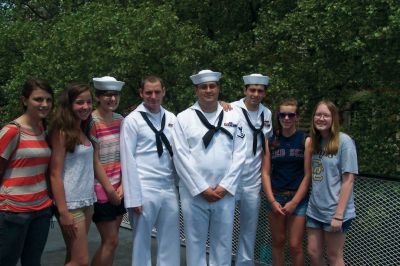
<point x="272" y="202"/>
<point x="338" y="219"/>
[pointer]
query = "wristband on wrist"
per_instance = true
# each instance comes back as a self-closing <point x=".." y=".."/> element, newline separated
<point x="338" y="219"/>
<point x="272" y="202"/>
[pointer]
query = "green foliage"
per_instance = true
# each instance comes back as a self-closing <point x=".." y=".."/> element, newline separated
<point x="311" y="49"/>
<point x="330" y="49"/>
<point x="335" y="50"/>
<point x="374" y="124"/>
<point x="128" y="43"/>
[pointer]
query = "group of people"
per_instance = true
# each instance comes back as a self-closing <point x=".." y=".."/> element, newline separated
<point x="92" y="165"/>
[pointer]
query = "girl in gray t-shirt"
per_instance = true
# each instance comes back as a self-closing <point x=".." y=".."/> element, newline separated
<point x="331" y="205"/>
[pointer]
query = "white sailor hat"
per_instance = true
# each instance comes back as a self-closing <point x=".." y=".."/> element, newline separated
<point x="256" y="79"/>
<point x="205" y="76"/>
<point x="107" y="83"/>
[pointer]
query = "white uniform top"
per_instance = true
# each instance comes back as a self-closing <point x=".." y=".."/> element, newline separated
<point x="219" y="164"/>
<point x="140" y="163"/>
<point x="251" y="174"/>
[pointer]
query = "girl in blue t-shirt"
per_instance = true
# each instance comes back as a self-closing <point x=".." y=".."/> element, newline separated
<point x="286" y="173"/>
<point x="331" y="206"/>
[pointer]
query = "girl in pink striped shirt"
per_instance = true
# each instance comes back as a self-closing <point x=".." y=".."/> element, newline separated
<point x="24" y="156"/>
<point x="104" y="133"/>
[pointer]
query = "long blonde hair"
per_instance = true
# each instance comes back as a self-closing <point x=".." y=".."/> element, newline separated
<point x="332" y="145"/>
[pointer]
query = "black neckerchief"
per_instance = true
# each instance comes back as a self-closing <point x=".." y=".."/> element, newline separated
<point x="160" y="136"/>
<point x="212" y="129"/>
<point x="256" y="131"/>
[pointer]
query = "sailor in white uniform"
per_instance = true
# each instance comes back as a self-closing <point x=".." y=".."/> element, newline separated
<point x="209" y="153"/>
<point x="257" y="126"/>
<point x="149" y="181"/>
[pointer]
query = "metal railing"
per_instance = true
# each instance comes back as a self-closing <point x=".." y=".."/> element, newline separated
<point x="374" y="237"/>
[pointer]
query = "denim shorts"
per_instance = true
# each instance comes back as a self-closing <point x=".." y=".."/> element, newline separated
<point x="312" y="223"/>
<point x="106" y="212"/>
<point x="283" y="199"/>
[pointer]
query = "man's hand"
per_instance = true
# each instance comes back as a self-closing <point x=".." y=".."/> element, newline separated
<point x="138" y="210"/>
<point x="220" y="191"/>
<point x="210" y="195"/>
<point x="225" y="106"/>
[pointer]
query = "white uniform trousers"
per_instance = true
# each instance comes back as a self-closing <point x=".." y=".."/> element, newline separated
<point x="202" y="218"/>
<point x="249" y="204"/>
<point x="160" y="210"/>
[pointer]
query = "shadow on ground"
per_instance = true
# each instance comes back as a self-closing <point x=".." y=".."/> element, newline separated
<point x="54" y="253"/>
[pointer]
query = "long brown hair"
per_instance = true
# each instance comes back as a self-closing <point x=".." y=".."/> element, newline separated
<point x="332" y="145"/>
<point x="64" y="120"/>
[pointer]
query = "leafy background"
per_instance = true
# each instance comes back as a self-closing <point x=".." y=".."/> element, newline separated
<point x="346" y="51"/>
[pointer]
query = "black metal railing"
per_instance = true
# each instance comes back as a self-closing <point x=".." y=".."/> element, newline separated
<point x="374" y="237"/>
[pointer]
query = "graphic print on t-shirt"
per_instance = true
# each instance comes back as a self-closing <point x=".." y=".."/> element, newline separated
<point x="318" y="169"/>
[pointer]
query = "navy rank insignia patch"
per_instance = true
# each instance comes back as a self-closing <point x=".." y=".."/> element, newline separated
<point x="170" y="125"/>
<point x="241" y="133"/>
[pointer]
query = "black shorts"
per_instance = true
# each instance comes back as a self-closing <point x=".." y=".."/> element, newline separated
<point x="106" y="212"/>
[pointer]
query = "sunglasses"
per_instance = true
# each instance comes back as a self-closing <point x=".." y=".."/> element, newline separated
<point x="283" y="115"/>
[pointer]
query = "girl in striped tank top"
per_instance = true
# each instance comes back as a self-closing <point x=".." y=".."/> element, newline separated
<point x="24" y="202"/>
<point x="105" y="133"/>
<point x="72" y="172"/>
